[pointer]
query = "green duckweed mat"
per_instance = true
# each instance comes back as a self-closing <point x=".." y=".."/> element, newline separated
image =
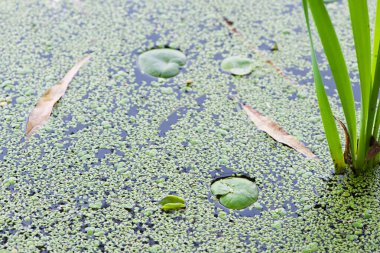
<point x="119" y="141"/>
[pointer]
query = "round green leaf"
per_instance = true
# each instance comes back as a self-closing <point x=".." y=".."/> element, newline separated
<point x="237" y="65"/>
<point x="172" y="199"/>
<point x="164" y="63"/>
<point x="235" y="192"/>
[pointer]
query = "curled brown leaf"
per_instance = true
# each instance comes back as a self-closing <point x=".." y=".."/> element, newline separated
<point x="41" y="112"/>
<point x="374" y="149"/>
<point x="347" y="152"/>
<point x="276" y="132"/>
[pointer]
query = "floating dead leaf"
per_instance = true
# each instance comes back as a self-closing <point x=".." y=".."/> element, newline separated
<point x="41" y="112"/>
<point x="276" y="132"/>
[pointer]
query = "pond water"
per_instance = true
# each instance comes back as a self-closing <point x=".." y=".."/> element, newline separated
<point x="119" y="140"/>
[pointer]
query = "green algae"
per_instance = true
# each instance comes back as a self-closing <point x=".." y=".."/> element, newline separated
<point x="59" y="174"/>
<point x="10" y="181"/>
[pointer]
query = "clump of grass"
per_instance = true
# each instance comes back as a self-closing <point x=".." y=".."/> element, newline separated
<point x="362" y="148"/>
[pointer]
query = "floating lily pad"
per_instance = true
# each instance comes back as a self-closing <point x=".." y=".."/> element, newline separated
<point x="235" y="192"/>
<point x="164" y="63"/>
<point x="237" y="65"/>
<point x="172" y="202"/>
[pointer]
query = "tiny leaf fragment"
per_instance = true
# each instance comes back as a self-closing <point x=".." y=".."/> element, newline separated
<point x="276" y="132"/>
<point x="39" y="116"/>
<point x="172" y="202"/>
<point x="172" y="199"/>
<point x="173" y="206"/>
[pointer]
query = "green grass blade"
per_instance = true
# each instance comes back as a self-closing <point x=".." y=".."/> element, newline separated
<point x="338" y="66"/>
<point x="375" y="93"/>
<point x="377" y="124"/>
<point x="362" y="39"/>
<point x="376" y="39"/>
<point x="328" y="120"/>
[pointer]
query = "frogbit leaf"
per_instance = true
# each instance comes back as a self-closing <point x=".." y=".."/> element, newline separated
<point x="173" y="206"/>
<point x="220" y="189"/>
<point x="235" y="192"/>
<point x="237" y="65"/>
<point x="41" y="112"/>
<point x="276" y="132"/>
<point x="172" y="202"/>
<point x="172" y="199"/>
<point x="164" y="62"/>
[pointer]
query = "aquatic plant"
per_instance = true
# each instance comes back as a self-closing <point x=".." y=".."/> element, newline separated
<point x="172" y="202"/>
<point x="361" y="146"/>
<point x="235" y="192"/>
<point x="162" y="62"/>
<point x="237" y="65"/>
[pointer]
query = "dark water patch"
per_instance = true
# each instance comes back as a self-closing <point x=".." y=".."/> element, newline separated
<point x="3" y="153"/>
<point x="293" y="96"/>
<point x="232" y="90"/>
<point x="67" y="118"/>
<point x="298" y="29"/>
<point x="171" y="120"/>
<point x="46" y="56"/>
<point x="222" y="171"/>
<point x="327" y="77"/>
<point x="202" y="41"/>
<point x="217" y="26"/>
<point x="153" y="37"/>
<point x="267" y="44"/>
<point x="77" y="128"/>
<point x="218" y="57"/>
<point x="288" y="9"/>
<point x="140" y="77"/>
<point x="201" y="101"/>
<point x="133" y="110"/>
<point x="102" y="152"/>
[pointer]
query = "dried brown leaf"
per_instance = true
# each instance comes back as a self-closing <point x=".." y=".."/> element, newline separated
<point x="41" y="112"/>
<point x="347" y="153"/>
<point x="373" y="150"/>
<point x="276" y="132"/>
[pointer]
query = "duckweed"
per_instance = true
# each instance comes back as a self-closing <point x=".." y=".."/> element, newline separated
<point x="55" y="184"/>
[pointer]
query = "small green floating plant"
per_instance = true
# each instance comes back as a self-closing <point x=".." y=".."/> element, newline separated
<point x="237" y="65"/>
<point x="172" y="202"/>
<point x="362" y="148"/>
<point x="235" y="192"/>
<point x="162" y="62"/>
